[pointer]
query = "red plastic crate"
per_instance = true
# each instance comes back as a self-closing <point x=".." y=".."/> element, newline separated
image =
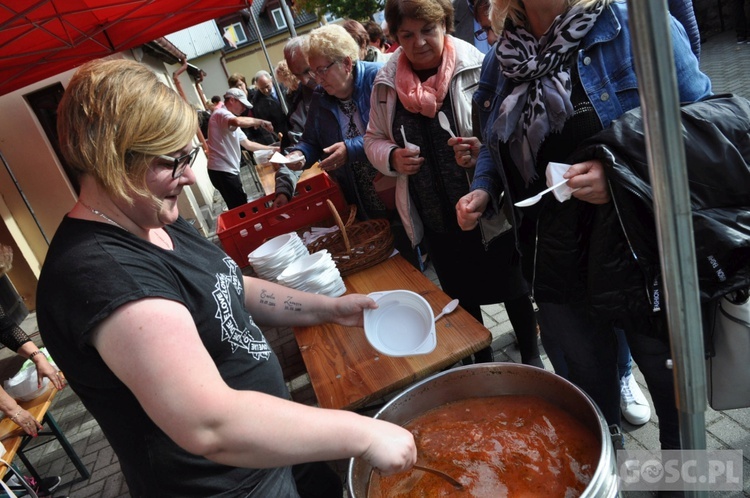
<point x="242" y="229"/>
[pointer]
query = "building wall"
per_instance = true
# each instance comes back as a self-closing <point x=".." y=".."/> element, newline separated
<point x="45" y="186"/>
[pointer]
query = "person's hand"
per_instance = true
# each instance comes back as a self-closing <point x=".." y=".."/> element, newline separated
<point x="392" y="448"/>
<point x="349" y="310"/>
<point x="466" y="150"/>
<point x="589" y="178"/>
<point x="336" y="157"/>
<point x="406" y="160"/>
<point x="25" y="421"/>
<point x="299" y="163"/>
<point x="262" y="123"/>
<point x="280" y="200"/>
<point x="45" y="369"/>
<point x="470" y="208"/>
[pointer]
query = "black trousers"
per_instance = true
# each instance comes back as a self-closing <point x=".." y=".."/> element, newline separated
<point x="229" y="186"/>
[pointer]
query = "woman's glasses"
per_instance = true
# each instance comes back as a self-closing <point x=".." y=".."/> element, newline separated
<point x="179" y="164"/>
<point x="321" y="72"/>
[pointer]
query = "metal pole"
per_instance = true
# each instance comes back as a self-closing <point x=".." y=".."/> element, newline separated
<point x="282" y="100"/>
<point x="25" y="200"/>
<point x="657" y="82"/>
<point x="289" y="18"/>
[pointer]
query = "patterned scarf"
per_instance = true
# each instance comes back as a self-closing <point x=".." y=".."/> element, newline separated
<point x="540" y="100"/>
<point x="426" y="97"/>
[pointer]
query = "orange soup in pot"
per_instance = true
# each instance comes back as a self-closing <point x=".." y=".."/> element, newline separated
<point x="496" y="447"/>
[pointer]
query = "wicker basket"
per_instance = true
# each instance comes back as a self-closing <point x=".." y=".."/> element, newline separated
<point x="358" y="244"/>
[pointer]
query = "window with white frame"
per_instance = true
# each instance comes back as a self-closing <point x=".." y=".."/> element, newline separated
<point x="278" y="18"/>
<point x="235" y="33"/>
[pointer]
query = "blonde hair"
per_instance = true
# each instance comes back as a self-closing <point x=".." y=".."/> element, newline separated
<point x="285" y="76"/>
<point x="332" y="42"/>
<point x="114" y="118"/>
<point x="514" y="11"/>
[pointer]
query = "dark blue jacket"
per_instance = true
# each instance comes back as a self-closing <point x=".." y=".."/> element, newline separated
<point x="323" y="129"/>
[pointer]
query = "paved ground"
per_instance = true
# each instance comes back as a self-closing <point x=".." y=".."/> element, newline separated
<point x="728" y="65"/>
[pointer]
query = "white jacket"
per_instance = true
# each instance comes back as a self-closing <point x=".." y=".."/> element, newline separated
<point x="379" y="140"/>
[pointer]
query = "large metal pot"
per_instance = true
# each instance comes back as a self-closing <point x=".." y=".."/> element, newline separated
<point x="495" y="379"/>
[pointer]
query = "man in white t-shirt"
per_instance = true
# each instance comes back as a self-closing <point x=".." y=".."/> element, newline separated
<point x="225" y="140"/>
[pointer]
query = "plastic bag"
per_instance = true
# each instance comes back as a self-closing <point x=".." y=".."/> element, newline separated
<point x="23" y="386"/>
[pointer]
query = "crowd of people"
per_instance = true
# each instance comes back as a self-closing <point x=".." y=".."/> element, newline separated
<point x="162" y="340"/>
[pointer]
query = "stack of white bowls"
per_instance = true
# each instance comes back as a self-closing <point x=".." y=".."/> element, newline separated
<point x="316" y="273"/>
<point x="274" y="255"/>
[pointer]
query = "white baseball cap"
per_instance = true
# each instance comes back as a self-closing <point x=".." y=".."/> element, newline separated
<point x="238" y="94"/>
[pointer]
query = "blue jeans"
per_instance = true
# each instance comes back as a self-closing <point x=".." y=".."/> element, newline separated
<point x="624" y="359"/>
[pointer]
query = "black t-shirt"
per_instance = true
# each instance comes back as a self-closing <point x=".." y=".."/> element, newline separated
<point x="93" y="268"/>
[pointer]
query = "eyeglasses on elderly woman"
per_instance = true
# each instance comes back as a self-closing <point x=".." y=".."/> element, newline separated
<point x="178" y="164"/>
<point x="321" y="71"/>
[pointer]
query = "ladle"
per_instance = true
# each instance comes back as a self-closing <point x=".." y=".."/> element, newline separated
<point x="444" y="124"/>
<point x="439" y="473"/>
<point x="449" y="308"/>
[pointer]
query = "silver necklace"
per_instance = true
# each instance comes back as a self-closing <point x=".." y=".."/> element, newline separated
<point x="113" y="222"/>
<point x="102" y="215"/>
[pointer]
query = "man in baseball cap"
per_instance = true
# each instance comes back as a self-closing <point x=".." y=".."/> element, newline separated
<point x="239" y="95"/>
<point x="225" y="143"/>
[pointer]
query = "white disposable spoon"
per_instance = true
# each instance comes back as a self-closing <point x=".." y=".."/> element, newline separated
<point x="538" y="197"/>
<point x="444" y="124"/>
<point x="449" y="308"/>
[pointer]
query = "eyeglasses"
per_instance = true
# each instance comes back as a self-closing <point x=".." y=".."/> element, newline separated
<point x="481" y="34"/>
<point x="179" y="164"/>
<point x="321" y="72"/>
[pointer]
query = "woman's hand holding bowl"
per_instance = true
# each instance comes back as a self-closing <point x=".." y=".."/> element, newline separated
<point x="406" y="160"/>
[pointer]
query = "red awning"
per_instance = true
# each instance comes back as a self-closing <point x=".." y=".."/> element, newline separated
<point x="41" y="38"/>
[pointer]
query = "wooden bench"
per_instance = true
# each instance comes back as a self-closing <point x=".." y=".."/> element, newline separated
<point x="17" y="442"/>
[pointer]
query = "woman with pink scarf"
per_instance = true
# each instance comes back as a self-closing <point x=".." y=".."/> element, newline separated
<point x="434" y="72"/>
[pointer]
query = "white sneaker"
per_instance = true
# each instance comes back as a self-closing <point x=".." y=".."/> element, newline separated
<point x="633" y="403"/>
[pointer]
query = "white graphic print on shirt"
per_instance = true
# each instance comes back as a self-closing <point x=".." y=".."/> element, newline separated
<point x="227" y="283"/>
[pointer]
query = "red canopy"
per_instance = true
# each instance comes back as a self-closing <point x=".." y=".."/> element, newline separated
<point x="41" y="38"/>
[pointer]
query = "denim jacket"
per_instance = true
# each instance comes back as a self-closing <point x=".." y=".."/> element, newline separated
<point x="606" y="65"/>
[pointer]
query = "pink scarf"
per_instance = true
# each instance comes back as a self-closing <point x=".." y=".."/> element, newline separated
<point x="425" y="98"/>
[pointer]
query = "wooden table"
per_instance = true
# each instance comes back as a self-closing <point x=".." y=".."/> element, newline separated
<point x="15" y="440"/>
<point x="347" y="372"/>
<point x="267" y="175"/>
<point x="11" y="434"/>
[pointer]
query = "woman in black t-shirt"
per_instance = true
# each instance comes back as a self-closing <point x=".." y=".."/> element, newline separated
<point x="156" y="327"/>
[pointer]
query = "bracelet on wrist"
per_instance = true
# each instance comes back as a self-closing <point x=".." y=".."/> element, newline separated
<point x="38" y="351"/>
<point x="13" y="418"/>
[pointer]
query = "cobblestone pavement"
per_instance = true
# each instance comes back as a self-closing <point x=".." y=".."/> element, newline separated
<point x="727" y="63"/>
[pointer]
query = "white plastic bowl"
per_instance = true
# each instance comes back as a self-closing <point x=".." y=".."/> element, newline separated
<point x="402" y="325"/>
<point x="270" y="247"/>
<point x="307" y="265"/>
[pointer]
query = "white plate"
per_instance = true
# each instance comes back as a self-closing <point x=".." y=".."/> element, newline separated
<point x="402" y="325"/>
